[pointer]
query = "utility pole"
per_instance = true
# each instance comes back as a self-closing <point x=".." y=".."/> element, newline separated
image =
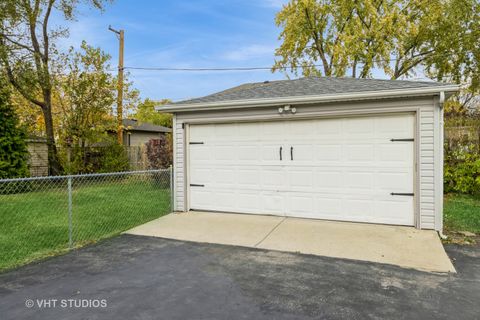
<point x="120" y="34"/>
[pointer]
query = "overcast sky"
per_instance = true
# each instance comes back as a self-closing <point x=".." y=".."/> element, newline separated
<point x="191" y="34"/>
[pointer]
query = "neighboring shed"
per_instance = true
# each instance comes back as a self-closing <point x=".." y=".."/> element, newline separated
<point x="360" y="150"/>
<point x="138" y="133"/>
<point x="38" y="156"/>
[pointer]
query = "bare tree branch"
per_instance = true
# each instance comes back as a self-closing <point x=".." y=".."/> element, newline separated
<point x="45" y="30"/>
<point x="21" y="45"/>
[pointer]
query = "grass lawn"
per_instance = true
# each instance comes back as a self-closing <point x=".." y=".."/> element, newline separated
<point x="34" y="225"/>
<point x="462" y="213"/>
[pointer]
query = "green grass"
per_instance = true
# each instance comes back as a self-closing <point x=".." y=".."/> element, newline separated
<point x="34" y="225"/>
<point x="462" y="213"/>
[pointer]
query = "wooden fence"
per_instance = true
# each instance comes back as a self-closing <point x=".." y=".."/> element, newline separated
<point x="137" y="157"/>
<point x="38" y="157"/>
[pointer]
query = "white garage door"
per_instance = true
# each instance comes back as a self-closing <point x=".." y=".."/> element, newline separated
<point x="338" y="169"/>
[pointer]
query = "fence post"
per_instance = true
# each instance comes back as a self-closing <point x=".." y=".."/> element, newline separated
<point x="70" y="240"/>
<point x="171" y="188"/>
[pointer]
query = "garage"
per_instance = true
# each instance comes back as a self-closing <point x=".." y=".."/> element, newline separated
<point x="340" y="168"/>
<point x="359" y="150"/>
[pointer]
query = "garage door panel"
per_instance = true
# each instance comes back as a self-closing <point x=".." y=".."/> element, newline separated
<point x="224" y="152"/>
<point x="201" y="198"/>
<point x="225" y="132"/>
<point x="328" y="129"/>
<point x="394" y="211"/>
<point x="342" y="169"/>
<point x="199" y="175"/>
<point x="248" y="201"/>
<point x="248" y="178"/>
<point x="273" y="177"/>
<point x="271" y="130"/>
<point x="328" y="179"/>
<point x="201" y="132"/>
<point x="394" y="126"/>
<point x="363" y="181"/>
<point x="299" y="177"/>
<point x="359" y="152"/>
<point x="357" y="209"/>
<point x="394" y="181"/>
<point x="200" y="153"/>
<point x="329" y="206"/>
<point x="225" y="177"/>
<point x="248" y="132"/>
<point x="327" y="152"/>
<point x="272" y="203"/>
<point x="247" y="152"/>
<point x="301" y="129"/>
<point x="226" y="200"/>
<point x="359" y="128"/>
<point x="300" y="204"/>
<point x="395" y="152"/>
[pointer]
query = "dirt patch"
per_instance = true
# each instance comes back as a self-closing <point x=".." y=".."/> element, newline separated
<point x="459" y="238"/>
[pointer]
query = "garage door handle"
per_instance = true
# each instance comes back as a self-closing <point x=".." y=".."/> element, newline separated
<point x="281" y="153"/>
<point x="291" y="153"/>
<point x="402" y="194"/>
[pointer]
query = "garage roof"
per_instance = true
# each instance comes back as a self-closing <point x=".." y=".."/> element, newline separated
<point x="309" y="89"/>
<point x="134" y="125"/>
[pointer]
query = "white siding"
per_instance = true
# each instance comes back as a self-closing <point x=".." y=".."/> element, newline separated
<point x="428" y="211"/>
<point x="426" y="167"/>
<point x="179" y="165"/>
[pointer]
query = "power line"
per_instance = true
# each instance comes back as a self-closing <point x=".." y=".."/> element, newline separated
<point x="200" y="69"/>
<point x="208" y="69"/>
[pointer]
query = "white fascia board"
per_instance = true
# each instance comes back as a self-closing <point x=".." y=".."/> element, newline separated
<point x="379" y="94"/>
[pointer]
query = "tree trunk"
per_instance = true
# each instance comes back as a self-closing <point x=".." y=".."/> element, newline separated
<point x="54" y="167"/>
<point x="354" y="69"/>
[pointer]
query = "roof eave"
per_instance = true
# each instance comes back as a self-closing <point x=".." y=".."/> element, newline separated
<point x="147" y="130"/>
<point x="378" y="94"/>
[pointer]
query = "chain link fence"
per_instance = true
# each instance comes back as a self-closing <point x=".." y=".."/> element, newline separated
<point x="45" y="216"/>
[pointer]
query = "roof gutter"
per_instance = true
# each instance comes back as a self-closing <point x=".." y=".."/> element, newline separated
<point x="265" y="102"/>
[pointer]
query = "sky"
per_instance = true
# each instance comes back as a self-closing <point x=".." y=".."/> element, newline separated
<point x="185" y="34"/>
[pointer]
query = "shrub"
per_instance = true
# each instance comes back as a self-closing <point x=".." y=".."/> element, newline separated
<point x="110" y="157"/>
<point x="159" y="152"/>
<point x="462" y="168"/>
<point x="113" y="158"/>
<point x="13" y="148"/>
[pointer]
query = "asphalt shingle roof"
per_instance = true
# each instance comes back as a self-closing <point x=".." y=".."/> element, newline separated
<point x="307" y="87"/>
<point x="134" y="125"/>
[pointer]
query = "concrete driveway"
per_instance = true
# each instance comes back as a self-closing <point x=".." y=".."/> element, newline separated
<point x="402" y="246"/>
<point x="153" y="278"/>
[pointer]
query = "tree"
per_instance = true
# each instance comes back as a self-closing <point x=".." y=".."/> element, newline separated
<point x="84" y="96"/>
<point x="334" y="38"/>
<point x="146" y="113"/>
<point x="28" y="114"/>
<point x="30" y="58"/>
<point x="13" y="148"/>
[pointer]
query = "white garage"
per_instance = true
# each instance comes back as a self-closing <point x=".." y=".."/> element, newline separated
<point x="343" y="149"/>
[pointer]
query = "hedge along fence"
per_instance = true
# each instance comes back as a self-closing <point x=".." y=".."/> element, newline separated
<point x="462" y="159"/>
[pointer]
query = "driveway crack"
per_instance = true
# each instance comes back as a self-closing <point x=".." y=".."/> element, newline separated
<point x="269" y="233"/>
